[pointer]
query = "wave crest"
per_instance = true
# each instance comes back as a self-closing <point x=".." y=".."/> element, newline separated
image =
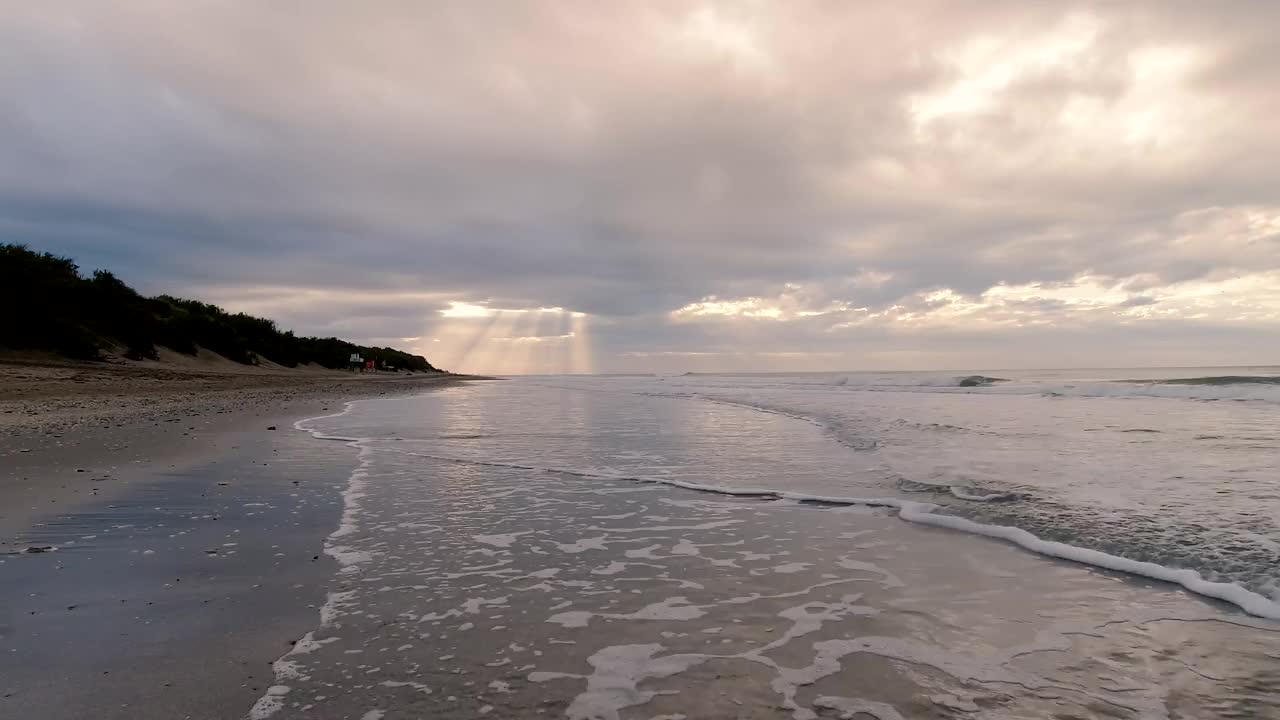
<point x="1221" y="380"/>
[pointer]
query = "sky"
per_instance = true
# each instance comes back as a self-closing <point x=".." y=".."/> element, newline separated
<point x="544" y="187"/>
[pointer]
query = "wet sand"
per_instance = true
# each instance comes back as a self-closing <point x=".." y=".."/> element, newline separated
<point x="181" y="537"/>
<point x="170" y="598"/>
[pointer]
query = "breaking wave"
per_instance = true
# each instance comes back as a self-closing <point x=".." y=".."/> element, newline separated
<point x="962" y="381"/>
<point x="1218" y="380"/>
<point x="978" y="381"/>
<point x="1264" y="388"/>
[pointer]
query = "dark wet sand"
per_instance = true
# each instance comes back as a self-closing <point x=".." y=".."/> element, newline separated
<point x="171" y="598"/>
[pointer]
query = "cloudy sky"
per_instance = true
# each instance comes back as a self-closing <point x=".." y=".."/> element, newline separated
<point x="669" y="186"/>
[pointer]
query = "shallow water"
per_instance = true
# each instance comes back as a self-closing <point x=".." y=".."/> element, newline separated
<point x="1172" y="481"/>
<point x="509" y="548"/>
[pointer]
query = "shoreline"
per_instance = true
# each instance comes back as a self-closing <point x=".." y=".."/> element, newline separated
<point x="188" y="553"/>
<point x="68" y="430"/>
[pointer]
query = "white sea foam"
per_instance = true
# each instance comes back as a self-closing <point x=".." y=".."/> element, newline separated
<point x="503" y="541"/>
<point x="613" y="568"/>
<point x="850" y="707"/>
<point x="964" y="494"/>
<point x="270" y="703"/>
<point x="673" y="608"/>
<point x="617" y="672"/>
<point x="583" y="545"/>
<point x="424" y="689"/>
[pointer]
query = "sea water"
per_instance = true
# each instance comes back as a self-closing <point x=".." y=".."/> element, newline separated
<point x="1172" y="468"/>
<point x="610" y="534"/>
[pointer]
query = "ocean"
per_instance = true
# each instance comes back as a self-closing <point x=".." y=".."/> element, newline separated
<point x="609" y="534"/>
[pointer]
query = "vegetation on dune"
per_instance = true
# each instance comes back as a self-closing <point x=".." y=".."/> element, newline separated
<point x="50" y="305"/>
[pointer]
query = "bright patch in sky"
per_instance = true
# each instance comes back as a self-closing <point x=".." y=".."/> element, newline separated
<point x="752" y="307"/>
<point x="465" y="310"/>
<point x="987" y="65"/>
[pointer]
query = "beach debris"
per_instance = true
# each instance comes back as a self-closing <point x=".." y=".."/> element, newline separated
<point x="39" y="549"/>
<point x="271" y="427"/>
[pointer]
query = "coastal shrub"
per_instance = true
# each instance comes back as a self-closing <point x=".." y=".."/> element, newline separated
<point x="42" y="295"/>
<point x="50" y="305"/>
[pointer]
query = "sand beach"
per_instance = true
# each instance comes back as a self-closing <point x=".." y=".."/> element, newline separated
<point x="121" y="482"/>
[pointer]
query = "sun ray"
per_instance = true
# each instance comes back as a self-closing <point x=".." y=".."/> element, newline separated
<point x="484" y="330"/>
<point x="524" y="350"/>
<point x="564" y="346"/>
<point x="499" y="351"/>
<point x="583" y="362"/>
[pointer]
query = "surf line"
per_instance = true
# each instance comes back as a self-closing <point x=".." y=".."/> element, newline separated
<point x="285" y="668"/>
<point x="923" y="513"/>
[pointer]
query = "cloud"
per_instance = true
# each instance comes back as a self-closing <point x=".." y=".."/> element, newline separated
<point x="835" y="180"/>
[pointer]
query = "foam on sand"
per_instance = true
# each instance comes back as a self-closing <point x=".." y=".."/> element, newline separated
<point x="503" y="541"/>
<point x="348" y="558"/>
<point x="618" y="670"/>
<point x="963" y="493"/>
<point x="851" y="707"/>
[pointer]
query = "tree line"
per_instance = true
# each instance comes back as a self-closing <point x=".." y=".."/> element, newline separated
<point x="50" y="305"/>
